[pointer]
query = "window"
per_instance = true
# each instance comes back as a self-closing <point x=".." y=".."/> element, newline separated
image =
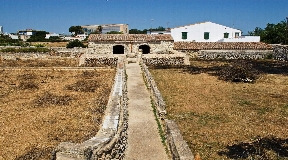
<point x="226" y="35"/>
<point x="206" y="35"/>
<point x="237" y="34"/>
<point x="184" y="35"/>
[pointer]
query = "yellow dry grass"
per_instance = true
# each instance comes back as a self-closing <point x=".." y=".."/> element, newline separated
<point x="38" y="111"/>
<point x="48" y="62"/>
<point x="225" y="120"/>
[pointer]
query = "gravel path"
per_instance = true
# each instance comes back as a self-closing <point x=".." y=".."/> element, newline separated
<point x="143" y="138"/>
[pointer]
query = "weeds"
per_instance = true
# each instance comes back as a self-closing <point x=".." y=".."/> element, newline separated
<point x="83" y="86"/>
<point x="52" y="99"/>
<point x="239" y="72"/>
<point x="28" y="85"/>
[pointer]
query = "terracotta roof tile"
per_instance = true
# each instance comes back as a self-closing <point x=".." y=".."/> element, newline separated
<point x="129" y="37"/>
<point x="221" y="45"/>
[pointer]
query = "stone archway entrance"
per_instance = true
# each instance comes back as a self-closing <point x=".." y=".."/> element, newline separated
<point x="118" y="49"/>
<point x="145" y="49"/>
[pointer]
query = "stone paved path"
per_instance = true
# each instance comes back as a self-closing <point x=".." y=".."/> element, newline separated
<point x="143" y="138"/>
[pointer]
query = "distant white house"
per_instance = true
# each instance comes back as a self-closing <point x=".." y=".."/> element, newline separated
<point x="209" y="32"/>
<point x="79" y="37"/>
<point x="159" y="32"/>
<point x="1" y="30"/>
<point x="51" y="35"/>
<point x="13" y="36"/>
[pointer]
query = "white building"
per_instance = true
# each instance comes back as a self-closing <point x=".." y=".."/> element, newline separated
<point x="1" y="30"/>
<point x="51" y="35"/>
<point x="208" y="32"/>
<point x="107" y="28"/>
<point x="159" y="32"/>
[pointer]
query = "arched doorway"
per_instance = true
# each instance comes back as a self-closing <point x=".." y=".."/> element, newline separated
<point x="118" y="49"/>
<point x="145" y="49"/>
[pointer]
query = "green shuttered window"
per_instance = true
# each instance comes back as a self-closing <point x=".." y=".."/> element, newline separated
<point x="206" y="35"/>
<point x="226" y="35"/>
<point x="184" y="35"/>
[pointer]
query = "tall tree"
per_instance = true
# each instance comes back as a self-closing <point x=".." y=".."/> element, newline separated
<point x="272" y="33"/>
<point x="76" y="30"/>
<point x="99" y="29"/>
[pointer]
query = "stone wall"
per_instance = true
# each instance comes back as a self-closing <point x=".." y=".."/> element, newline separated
<point x="280" y="52"/>
<point x="177" y="146"/>
<point x="174" y="58"/>
<point x="89" y="60"/>
<point x="111" y="140"/>
<point x="129" y="47"/>
<point x="234" y="54"/>
<point x="14" y="56"/>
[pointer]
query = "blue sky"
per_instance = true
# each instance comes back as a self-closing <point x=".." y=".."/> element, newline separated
<point x="58" y="15"/>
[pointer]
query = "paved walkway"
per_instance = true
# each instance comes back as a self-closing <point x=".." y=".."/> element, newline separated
<point x="143" y="138"/>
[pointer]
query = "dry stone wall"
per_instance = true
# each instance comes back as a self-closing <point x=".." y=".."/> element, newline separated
<point x="111" y="140"/>
<point x="173" y="58"/>
<point x="234" y="54"/>
<point x="177" y="146"/>
<point x="129" y="47"/>
<point x="280" y="52"/>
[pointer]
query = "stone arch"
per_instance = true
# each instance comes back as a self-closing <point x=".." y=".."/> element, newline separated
<point x="118" y="49"/>
<point x="145" y="48"/>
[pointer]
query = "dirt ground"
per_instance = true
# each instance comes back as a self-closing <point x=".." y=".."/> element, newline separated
<point x="226" y="120"/>
<point x="41" y="108"/>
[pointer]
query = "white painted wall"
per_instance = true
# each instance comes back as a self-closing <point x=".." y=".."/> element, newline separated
<point x="195" y="32"/>
<point x="241" y="39"/>
<point x="1" y="30"/>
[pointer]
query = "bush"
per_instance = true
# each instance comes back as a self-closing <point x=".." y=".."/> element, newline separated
<point x="240" y="71"/>
<point x="75" y="43"/>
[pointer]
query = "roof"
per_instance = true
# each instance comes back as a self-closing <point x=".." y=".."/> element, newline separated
<point x="129" y="37"/>
<point x="203" y="23"/>
<point x="221" y="45"/>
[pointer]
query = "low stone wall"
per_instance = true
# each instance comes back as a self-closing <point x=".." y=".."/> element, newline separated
<point x="280" y="52"/>
<point x="14" y="56"/>
<point x="175" y="58"/>
<point x="177" y="146"/>
<point x="234" y="54"/>
<point x="89" y="60"/>
<point x="111" y="140"/>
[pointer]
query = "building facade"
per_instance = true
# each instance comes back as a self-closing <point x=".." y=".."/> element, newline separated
<point x="124" y="28"/>
<point x="130" y="43"/>
<point x="204" y="32"/>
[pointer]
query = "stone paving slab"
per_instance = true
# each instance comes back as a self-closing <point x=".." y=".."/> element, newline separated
<point x="143" y="138"/>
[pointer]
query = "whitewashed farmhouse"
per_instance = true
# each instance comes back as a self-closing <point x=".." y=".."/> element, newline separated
<point x="209" y="32"/>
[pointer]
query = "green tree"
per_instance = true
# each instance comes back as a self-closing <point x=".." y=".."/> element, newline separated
<point x="99" y="29"/>
<point x="136" y="31"/>
<point x="76" y="30"/>
<point x="54" y="39"/>
<point x="272" y="33"/>
<point x="39" y="36"/>
<point x="114" y="32"/>
<point x="75" y="43"/>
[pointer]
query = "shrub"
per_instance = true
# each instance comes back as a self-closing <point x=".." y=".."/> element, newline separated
<point x="240" y="71"/>
<point x="75" y="43"/>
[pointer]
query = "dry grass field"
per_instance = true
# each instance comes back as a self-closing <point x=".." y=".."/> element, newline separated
<point x="48" y="62"/>
<point x="228" y="120"/>
<point x="39" y="108"/>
